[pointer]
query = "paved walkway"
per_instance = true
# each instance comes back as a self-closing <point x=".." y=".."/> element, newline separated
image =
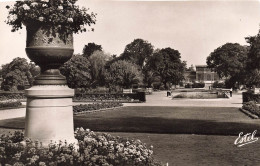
<point x="156" y="99"/>
<point x="160" y="99"/>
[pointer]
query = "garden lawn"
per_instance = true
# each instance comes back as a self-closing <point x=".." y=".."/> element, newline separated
<point x="194" y="150"/>
<point x="171" y="120"/>
<point x="198" y="150"/>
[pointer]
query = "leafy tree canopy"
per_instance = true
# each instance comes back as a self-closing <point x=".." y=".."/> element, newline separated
<point x="77" y="72"/>
<point x="228" y="60"/>
<point x="16" y="74"/>
<point x="167" y="64"/>
<point x="124" y="74"/>
<point x="254" y="52"/>
<point x="98" y="61"/>
<point x="90" y="48"/>
<point x="137" y="52"/>
<point x="253" y="63"/>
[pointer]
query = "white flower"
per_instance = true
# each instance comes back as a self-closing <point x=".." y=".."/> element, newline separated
<point x="45" y="0"/>
<point x="13" y="17"/>
<point x="44" y="5"/>
<point x="69" y="4"/>
<point x="60" y="7"/>
<point x="41" y="18"/>
<point x="70" y="19"/>
<point x="26" y="7"/>
<point x="34" y="4"/>
<point x="81" y="27"/>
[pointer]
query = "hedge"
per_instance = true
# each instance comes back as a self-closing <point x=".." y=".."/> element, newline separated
<point x="94" y="106"/>
<point x="139" y="96"/>
<point x="248" y="96"/>
<point x="131" y="97"/>
<point x="12" y="95"/>
<point x="10" y="103"/>
<point x="252" y="107"/>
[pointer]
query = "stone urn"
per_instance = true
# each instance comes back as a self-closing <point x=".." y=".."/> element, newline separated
<point x="49" y="50"/>
<point x="49" y="113"/>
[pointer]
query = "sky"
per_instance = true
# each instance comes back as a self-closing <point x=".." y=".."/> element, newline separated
<point x="194" y="28"/>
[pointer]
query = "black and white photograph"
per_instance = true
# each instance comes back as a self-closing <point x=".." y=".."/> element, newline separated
<point x="129" y="82"/>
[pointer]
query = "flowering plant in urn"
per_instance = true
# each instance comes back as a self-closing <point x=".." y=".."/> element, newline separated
<point x="50" y="25"/>
<point x="62" y="15"/>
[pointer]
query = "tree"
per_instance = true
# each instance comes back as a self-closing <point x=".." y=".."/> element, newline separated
<point x="124" y="74"/>
<point x="137" y="52"/>
<point x="77" y="72"/>
<point x="229" y="60"/>
<point x="148" y="77"/>
<point x="90" y="48"/>
<point x="253" y="63"/>
<point x="98" y="61"/>
<point x="167" y="64"/>
<point x="16" y="75"/>
<point x="35" y="70"/>
<point x="253" y="78"/>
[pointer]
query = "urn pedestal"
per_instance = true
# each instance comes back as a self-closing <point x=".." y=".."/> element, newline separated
<point x="49" y="114"/>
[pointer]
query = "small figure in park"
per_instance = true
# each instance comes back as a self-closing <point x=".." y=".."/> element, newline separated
<point x="169" y="92"/>
<point x="230" y="91"/>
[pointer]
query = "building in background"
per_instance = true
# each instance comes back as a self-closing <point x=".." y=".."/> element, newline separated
<point x="202" y="74"/>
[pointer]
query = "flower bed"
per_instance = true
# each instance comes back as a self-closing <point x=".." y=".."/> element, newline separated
<point x="10" y="103"/>
<point x="94" y="149"/>
<point x="251" y="107"/>
<point x="95" y="106"/>
<point x="12" y="95"/>
<point x="120" y="97"/>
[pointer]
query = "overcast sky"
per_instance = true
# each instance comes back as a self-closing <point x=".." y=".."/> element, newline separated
<point x="195" y="28"/>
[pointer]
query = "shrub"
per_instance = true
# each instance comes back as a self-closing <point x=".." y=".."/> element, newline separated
<point x="12" y="96"/>
<point x="251" y="107"/>
<point x="250" y="96"/>
<point x="94" y="106"/>
<point x="109" y="97"/>
<point x="217" y="84"/>
<point x="10" y="103"/>
<point x="198" y="85"/>
<point x="94" y="149"/>
<point x="188" y="86"/>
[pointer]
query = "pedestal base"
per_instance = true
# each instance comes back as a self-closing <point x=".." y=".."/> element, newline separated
<point x="49" y="114"/>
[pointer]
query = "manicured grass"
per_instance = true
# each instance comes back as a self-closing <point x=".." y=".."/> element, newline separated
<point x="197" y="150"/>
<point x="172" y="120"/>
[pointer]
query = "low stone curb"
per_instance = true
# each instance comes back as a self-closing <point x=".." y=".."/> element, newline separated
<point x="253" y="116"/>
<point x="93" y="111"/>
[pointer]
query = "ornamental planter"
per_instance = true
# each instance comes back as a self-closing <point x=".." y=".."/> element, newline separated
<point x="50" y="25"/>
<point x="49" y="50"/>
<point x="49" y="113"/>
